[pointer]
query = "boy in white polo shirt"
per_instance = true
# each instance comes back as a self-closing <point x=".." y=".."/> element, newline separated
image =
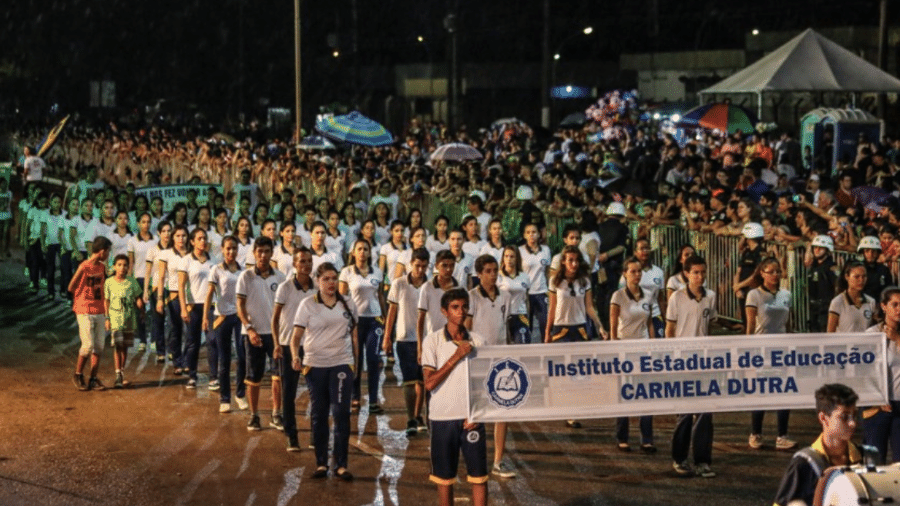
<point x="255" y="304"/>
<point x="442" y="351"/>
<point x="430" y="317"/>
<point x="462" y="269"/>
<point x="403" y="299"/>
<point x="689" y="313"/>
<point x="488" y="310"/>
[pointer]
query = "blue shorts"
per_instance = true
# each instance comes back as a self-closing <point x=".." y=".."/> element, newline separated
<point x="256" y="358"/>
<point x="447" y="439"/>
<point x="568" y="333"/>
<point x="518" y="328"/>
<point x="410" y="370"/>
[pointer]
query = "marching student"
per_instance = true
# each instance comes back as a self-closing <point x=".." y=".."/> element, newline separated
<point x="430" y="319"/>
<point x="243" y="232"/>
<point x="515" y="281"/>
<point x="462" y="270"/>
<point x="138" y="247"/>
<point x="335" y="238"/>
<point x="689" y="314"/>
<point x="881" y="424"/>
<point x="70" y="256"/>
<point x="89" y="306"/>
<point x="267" y="229"/>
<point x="362" y="283"/>
<point x="488" y="311"/>
<point x="122" y="302"/>
<point x="226" y="326"/>
<point x="325" y="337"/>
<point x="440" y="239"/>
<point x="536" y="262"/>
<point x="255" y="303"/>
<point x="120" y="236"/>
<point x="652" y="279"/>
<point x="629" y="318"/>
<point x="167" y="294"/>
<point x="403" y="298"/>
<point x="494" y="244"/>
<point x="152" y="284"/>
<point x="390" y="252"/>
<point x="288" y="297"/>
<point x="768" y="310"/>
<point x="52" y="231"/>
<point x="193" y="285"/>
<point x="678" y="279"/>
<point x="34" y="254"/>
<point x="218" y="232"/>
<point x="320" y="253"/>
<point x="451" y="432"/>
<point x="571" y="237"/>
<point x="471" y="230"/>
<point x="284" y="252"/>
<point x="851" y="310"/>
<point x="417" y="238"/>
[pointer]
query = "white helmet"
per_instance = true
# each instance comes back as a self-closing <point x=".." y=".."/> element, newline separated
<point x="524" y="193"/>
<point x="823" y="241"/>
<point x="869" y="242"/>
<point x="479" y="194"/>
<point x="615" y="209"/>
<point x="753" y="231"/>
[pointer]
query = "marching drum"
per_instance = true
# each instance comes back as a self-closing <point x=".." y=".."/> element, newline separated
<point x="845" y="486"/>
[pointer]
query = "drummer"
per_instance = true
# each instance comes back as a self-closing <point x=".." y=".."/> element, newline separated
<point x="836" y="412"/>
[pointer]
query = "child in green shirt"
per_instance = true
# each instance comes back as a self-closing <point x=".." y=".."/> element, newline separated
<point x="123" y="302"/>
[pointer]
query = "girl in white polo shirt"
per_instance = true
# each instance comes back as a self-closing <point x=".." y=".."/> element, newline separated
<point x="335" y="238"/>
<point x="440" y="239"/>
<point x="325" y="328"/>
<point x="193" y="284"/>
<point x="768" y="309"/>
<point x="535" y="263"/>
<point x="284" y="252"/>
<point x="167" y="292"/>
<point x="494" y="244"/>
<point x="851" y="310"/>
<point x="138" y="247"/>
<point x="391" y="251"/>
<point x="52" y="230"/>
<point x="881" y="424"/>
<point x="417" y="238"/>
<point x="471" y="230"/>
<point x="243" y="232"/>
<point x="629" y="318"/>
<point x="362" y="283"/>
<point x="515" y="281"/>
<point x="152" y="281"/>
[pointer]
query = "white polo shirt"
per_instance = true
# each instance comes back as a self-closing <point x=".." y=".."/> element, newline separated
<point x="447" y="401"/>
<point x="85" y="229"/>
<point x="535" y="265"/>
<point x="215" y="244"/>
<point x="430" y="302"/>
<point x="434" y="246"/>
<point x="772" y="310"/>
<point x="633" y="313"/>
<point x="465" y="267"/>
<point x="172" y="260"/>
<point x="119" y="244"/>
<point x="391" y="256"/>
<point x="517" y="288"/>
<point x="327" y="256"/>
<point x="54" y="223"/>
<point x="140" y="249"/>
<point x="327" y="340"/>
<point x="197" y="276"/>
<point x="289" y="296"/>
<point x="489" y="315"/>
<point x="363" y="289"/>
<point x="98" y="229"/>
<point x="570" y="309"/>
<point x="351" y="232"/>
<point x="259" y="293"/>
<point x="652" y="281"/>
<point x="473" y="248"/>
<point x="489" y="249"/>
<point x="243" y="251"/>
<point x="382" y="234"/>
<point x="336" y="244"/>
<point x="852" y="318"/>
<point x="224" y="284"/>
<point x="691" y="316"/>
<point x="285" y="261"/>
<point x="406" y="296"/>
<point x="405" y="259"/>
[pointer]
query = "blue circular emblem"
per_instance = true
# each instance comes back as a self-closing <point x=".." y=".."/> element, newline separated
<point x="374" y="281"/>
<point x="508" y="384"/>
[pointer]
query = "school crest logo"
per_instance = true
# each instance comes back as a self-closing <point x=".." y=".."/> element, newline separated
<point x="646" y="306"/>
<point x="273" y="287"/>
<point x="867" y="314"/>
<point x="473" y="436"/>
<point x="508" y="384"/>
<point x="545" y="262"/>
<point x="374" y="281"/>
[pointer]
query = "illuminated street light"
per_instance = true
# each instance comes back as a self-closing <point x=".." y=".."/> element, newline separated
<point x="755" y="31"/>
<point x="420" y="38"/>
<point x="336" y="53"/>
<point x="588" y="30"/>
<point x="556" y="56"/>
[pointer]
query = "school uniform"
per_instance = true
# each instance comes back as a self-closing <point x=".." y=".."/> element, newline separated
<point x="335" y="244"/>
<point x="570" y="316"/>
<point x="535" y="266"/>
<point x="473" y="248"/>
<point x="54" y="223"/>
<point x="226" y="330"/>
<point x="430" y="303"/>
<point x="139" y="249"/>
<point x="489" y="315"/>
<point x="652" y="281"/>
<point x="326" y="256"/>
<point x="852" y="318"/>
<point x="351" y="232"/>
<point x="405" y="296"/>
<point x="405" y="259"/>
<point x="434" y="246"/>
<point x="517" y="320"/>
<point x="880" y="426"/>
<point x="172" y="261"/>
<point x="197" y="286"/>
<point x="489" y="249"/>
<point x="259" y="295"/>
<point x="634" y="315"/>
<point x="391" y="254"/>
<point x="464" y="269"/>
<point x="157" y="320"/>
<point x="289" y="295"/>
<point x="364" y="291"/>
<point x="772" y="313"/>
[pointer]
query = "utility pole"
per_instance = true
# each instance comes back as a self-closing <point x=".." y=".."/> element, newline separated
<point x="297" y="85"/>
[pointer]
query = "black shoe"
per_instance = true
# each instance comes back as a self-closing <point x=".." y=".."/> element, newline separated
<point x="421" y="425"/>
<point x="95" y="384"/>
<point x="623" y="447"/>
<point x="320" y="472"/>
<point x="573" y="424"/>
<point x="648" y="448"/>
<point x="412" y="428"/>
<point x="120" y="381"/>
<point x="293" y="446"/>
<point x="344" y="475"/>
<point x="376" y="409"/>
<point x="78" y="379"/>
<point x="277" y="422"/>
<point x="253" y="426"/>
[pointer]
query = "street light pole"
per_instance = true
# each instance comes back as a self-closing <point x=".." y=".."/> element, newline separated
<point x="545" y="69"/>
<point x="297" y="84"/>
<point x="557" y="55"/>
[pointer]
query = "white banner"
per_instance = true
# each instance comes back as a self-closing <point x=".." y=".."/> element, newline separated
<point x="172" y="194"/>
<point x="600" y="379"/>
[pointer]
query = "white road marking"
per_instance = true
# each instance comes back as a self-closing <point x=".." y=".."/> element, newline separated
<point x="188" y="492"/>
<point x="519" y="485"/>
<point x="291" y="485"/>
<point x="251" y="499"/>
<point x="252" y="443"/>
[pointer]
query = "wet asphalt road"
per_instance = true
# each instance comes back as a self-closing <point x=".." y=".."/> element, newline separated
<point x="158" y="443"/>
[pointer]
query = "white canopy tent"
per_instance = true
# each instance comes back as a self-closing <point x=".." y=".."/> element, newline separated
<point x="808" y="62"/>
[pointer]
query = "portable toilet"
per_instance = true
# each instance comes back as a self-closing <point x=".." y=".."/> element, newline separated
<point x="837" y="130"/>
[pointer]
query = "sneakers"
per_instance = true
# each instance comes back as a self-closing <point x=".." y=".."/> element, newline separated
<point x="277" y="422"/>
<point x="225" y="407"/>
<point x="253" y="426"/>
<point x="95" y="384"/>
<point x="78" y="379"/>
<point x="214" y="385"/>
<point x="682" y="468"/>
<point x="703" y="471"/>
<point x="242" y="403"/>
<point x="421" y="425"/>
<point x="648" y="448"/>
<point x="160" y="359"/>
<point x="293" y="446"/>
<point x="412" y="428"/>
<point x="783" y="443"/>
<point x="120" y="381"/>
<point x="142" y="347"/>
<point x="376" y="409"/>
<point x="503" y="470"/>
<point x="755" y="441"/>
<point x="191" y="384"/>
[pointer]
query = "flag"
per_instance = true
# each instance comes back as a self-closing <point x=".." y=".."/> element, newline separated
<point x="48" y="141"/>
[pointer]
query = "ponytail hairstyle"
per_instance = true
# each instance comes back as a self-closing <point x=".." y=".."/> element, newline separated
<point x="582" y="272"/>
<point x="329" y="267"/>
<point x="849" y="266"/>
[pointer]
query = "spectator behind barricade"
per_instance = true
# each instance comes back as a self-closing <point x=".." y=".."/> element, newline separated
<point x="843" y="195"/>
<point x="823" y="274"/>
<point x="787" y="151"/>
<point x="878" y="275"/>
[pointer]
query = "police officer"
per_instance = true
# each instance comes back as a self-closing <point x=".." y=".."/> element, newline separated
<point x="822" y="280"/>
<point x="878" y="275"/>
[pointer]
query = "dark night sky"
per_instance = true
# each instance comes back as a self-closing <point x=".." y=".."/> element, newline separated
<point x="190" y="49"/>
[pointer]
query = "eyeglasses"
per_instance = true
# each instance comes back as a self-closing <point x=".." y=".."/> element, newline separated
<point x="777" y="271"/>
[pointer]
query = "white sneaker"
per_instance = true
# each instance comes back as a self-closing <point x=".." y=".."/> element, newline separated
<point x="225" y="407"/>
<point x="503" y="470"/>
<point x="783" y="443"/>
<point x="242" y="403"/>
<point x="755" y="441"/>
<point x="704" y="471"/>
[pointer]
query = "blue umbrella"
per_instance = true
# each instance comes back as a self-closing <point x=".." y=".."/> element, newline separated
<point x="315" y="142"/>
<point x="354" y="128"/>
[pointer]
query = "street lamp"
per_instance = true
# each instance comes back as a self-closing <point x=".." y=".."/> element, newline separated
<point x="588" y="30"/>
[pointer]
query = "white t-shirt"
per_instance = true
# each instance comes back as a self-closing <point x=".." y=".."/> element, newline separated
<point x="489" y="316"/>
<point x="259" y="293"/>
<point x="851" y="317"/>
<point x="570" y="308"/>
<point x="488" y="249"/>
<point x="434" y="246"/>
<point x="139" y="250"/>
<point x="691" y="316"/>
<point x="327" y="256"/>
<point x="119" y="244"/>
<point x="351" y="232"/>
<point x="172" y="260"/>
<point x="893" y="364"/>
<point x="327" y="339"/>
<point x="633" y="314"/>
<point x="535" y="265"/>
<point x="406" y="296"/>
<point x="224" y="284"/>
<point x="85" y="229"/>
<point x="652" y="281"/>
<point x="363" y="289"/>
<point x="101" y="229"/>
<point x="34" y="166"/>
<point x="289" y="296"/>
<point x="391" y="255"/>
<point x="518" y="292"/>
<point x="335" y="244"/>
<point x="447" y="401"/>
<point x="465" y="267"/>
<point x="473" y="248"/>
<point x="55" y="223"/>
<point x="197" y="271"/>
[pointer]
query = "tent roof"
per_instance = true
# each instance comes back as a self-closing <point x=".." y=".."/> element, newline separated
<point x="842" y="115"/>
<point x="808" y="62"/>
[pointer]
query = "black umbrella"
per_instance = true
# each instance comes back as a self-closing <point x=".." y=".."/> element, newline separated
<point x="574" y="120"/>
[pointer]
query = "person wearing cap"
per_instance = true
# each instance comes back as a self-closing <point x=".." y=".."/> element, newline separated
<point x="878" y="275"/>
<point x="751" y="254"/>
<point x="823" y="274"/>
